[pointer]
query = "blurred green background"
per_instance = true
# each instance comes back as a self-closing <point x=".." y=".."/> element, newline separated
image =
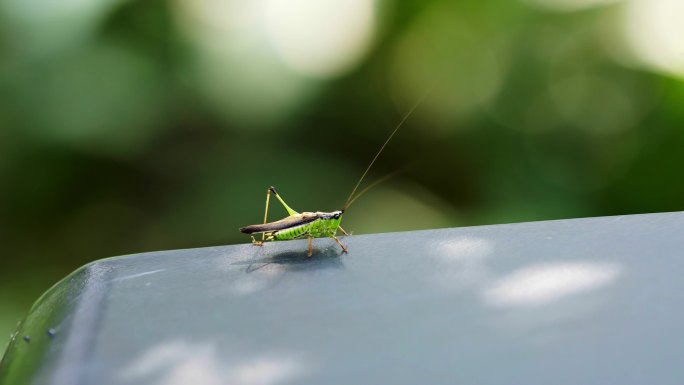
<point x="132" y="126"/>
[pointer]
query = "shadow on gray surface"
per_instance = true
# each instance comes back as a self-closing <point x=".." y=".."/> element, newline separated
<point x="297" y="260"/>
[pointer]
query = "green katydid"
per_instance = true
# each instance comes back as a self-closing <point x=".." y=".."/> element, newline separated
<point x="317" y="224"/>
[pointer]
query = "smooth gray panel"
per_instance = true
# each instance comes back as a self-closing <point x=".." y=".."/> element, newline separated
<point x="585" y="301"/>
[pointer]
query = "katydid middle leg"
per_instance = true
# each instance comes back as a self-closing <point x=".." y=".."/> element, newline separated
<point x="309" y="251"/>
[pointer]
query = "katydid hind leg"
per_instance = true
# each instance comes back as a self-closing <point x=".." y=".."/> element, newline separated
<point x="268" y="201"/>
<point x="289" y="210"/>
<point x="258" y="243"/>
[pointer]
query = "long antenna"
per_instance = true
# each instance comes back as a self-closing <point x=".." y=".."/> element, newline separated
<point x="370" y="186"/>
<point x="350" y="200"/>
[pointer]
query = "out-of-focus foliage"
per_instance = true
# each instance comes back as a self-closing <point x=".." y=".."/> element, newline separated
<point x="130" y="126"/>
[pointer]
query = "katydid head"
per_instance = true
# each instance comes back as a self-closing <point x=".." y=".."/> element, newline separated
<point x="333" y="215"/>
<point x="330" y="221"/>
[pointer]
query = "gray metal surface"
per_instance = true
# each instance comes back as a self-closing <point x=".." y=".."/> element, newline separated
<point x="586" y="301"/>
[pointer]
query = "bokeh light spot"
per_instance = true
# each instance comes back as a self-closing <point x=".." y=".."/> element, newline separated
<point x="654" y="31"/>
<point x="234" y="67"/>
<point x="320" y="38"/>
<point x="44" y="26"/>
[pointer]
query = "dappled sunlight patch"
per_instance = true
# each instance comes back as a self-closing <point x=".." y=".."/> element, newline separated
<point x="464" y="249"/>
<point x="546" y="283"/>
<point x="265" y="370"/>
<point x="462" y="262"/>
<point x="179" y="362"/>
